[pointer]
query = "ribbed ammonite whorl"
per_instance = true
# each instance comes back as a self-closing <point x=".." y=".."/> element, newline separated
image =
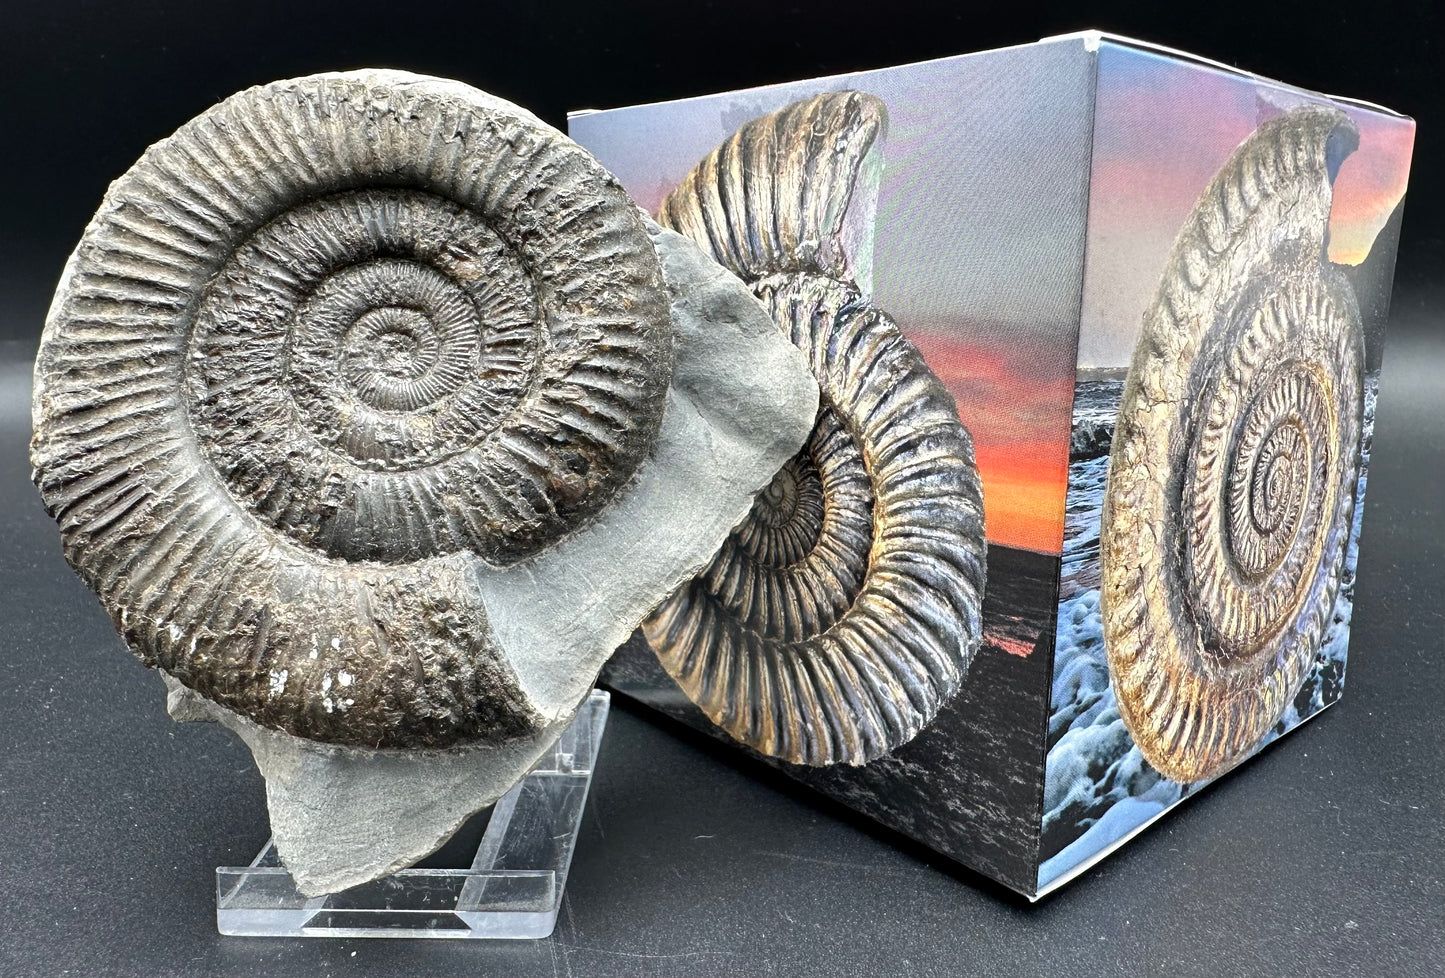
<point x="845" y="609"/>
<point x="321" y="353"/>
<point x="1235" y="460"/>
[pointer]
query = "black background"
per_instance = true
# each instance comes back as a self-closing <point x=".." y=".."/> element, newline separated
<point x="88" y="86"/>
<point x="1324" y="855"/>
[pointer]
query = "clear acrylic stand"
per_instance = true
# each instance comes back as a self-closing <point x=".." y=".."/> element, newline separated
<point x="512" y="889"/>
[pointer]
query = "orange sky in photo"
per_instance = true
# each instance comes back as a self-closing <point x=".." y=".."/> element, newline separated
<point x="1019" y="421"/>
<point x="1162" y="129"/>
<point x="1369" y="185"/>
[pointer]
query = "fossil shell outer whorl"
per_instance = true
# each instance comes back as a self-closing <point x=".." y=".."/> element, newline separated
<point x="810" y="211"/>
<point x="1235" y="460"/>
<point x="319" y="351"/>
<point x="843" y="612"/>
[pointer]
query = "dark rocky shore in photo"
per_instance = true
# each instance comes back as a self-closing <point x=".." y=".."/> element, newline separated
<point x="968" y="785"/>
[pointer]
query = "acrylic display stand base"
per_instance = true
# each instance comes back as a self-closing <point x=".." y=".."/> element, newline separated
<point x="512" y="889"/>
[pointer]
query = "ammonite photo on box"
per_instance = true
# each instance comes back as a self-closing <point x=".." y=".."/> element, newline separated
<point x="845" y="610"/>
<point x="1219" y="572"/>
<point x="1222" y="420"/>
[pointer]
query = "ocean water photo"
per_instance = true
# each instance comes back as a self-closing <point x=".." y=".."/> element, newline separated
<point x="1097" y="786"/>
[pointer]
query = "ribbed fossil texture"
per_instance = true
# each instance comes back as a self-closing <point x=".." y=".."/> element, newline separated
<point x="843" y="612"/>
<point x="322" y="353"/>
<point x="1235" y="459"/>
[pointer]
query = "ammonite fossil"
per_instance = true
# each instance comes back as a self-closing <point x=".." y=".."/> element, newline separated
<point x="843" y="612"/>
<point x="1235" y="460"/>
<point x="329" y="401"/>
<point x="316" y="344"/>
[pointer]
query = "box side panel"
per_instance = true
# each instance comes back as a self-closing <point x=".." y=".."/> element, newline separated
<point x="1163" y="128"/>
<point x="978" y="257"/>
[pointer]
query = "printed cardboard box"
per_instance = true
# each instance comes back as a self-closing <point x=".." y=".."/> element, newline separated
<point x="1156" y="290"/>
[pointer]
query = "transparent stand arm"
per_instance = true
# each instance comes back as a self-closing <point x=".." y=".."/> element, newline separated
<point x="513" y="888"/>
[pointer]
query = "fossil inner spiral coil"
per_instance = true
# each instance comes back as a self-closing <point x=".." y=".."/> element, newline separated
<point x="791" y="570"/>
<point x="1265" y="477"/>
<point x="367" y="347"/>
<point x="1235" y="460"/>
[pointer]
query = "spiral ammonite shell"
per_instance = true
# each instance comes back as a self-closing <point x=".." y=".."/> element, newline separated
<point x="1235" y="460"/>
<point x="326" y="351"/>
<point x="844" y="611"/>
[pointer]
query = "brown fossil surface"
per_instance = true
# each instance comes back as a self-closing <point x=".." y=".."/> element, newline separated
<point x="1235" y="459"/>
<point x="843" y="612"/>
